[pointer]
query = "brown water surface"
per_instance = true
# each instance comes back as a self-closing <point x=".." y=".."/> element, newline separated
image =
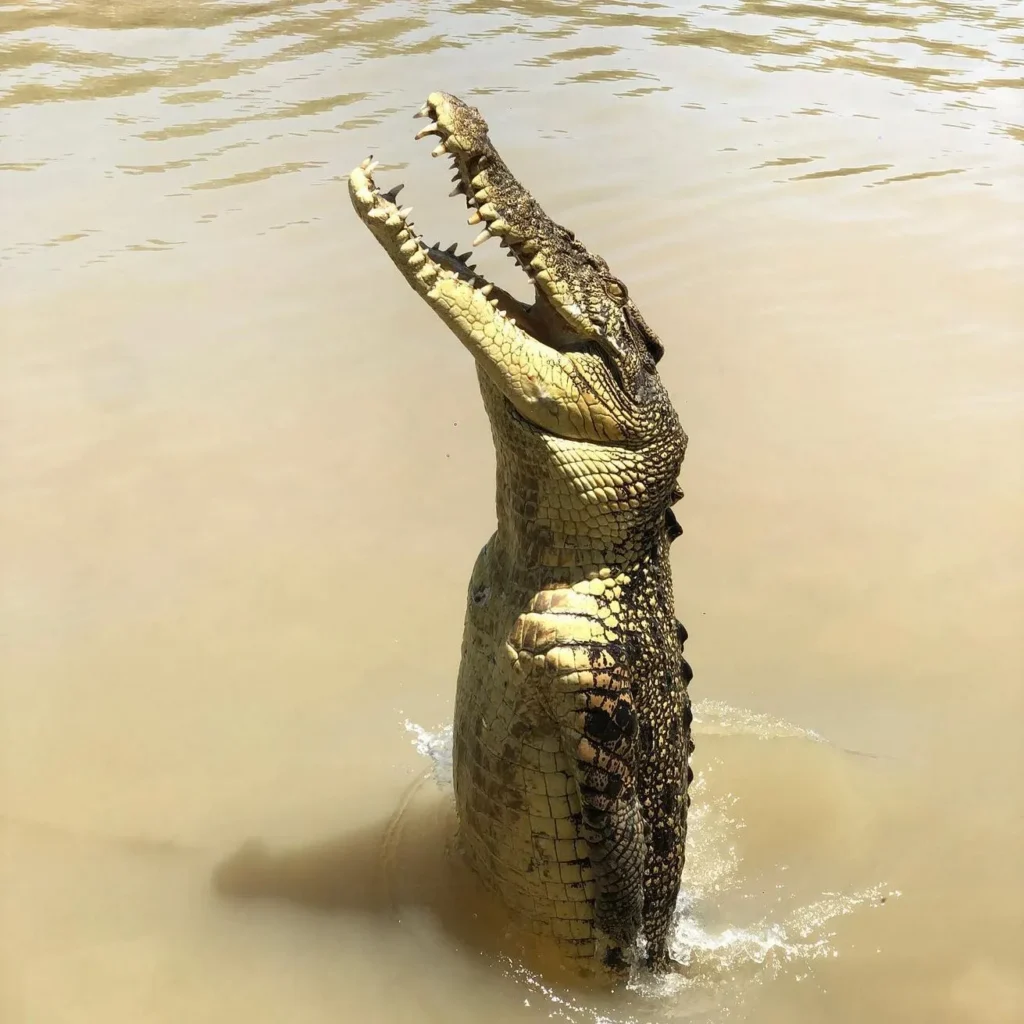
<point x="244" y="474"/>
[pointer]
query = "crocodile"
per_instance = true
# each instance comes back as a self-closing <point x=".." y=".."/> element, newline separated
<point x="572" y="715"/>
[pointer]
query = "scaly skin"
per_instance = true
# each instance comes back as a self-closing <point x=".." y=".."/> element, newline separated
<point x="572" y="718"/>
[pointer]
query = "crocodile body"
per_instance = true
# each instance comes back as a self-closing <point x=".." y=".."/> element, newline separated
<point x="572" y="718"/>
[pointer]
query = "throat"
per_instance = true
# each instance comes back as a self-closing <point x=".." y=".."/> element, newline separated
<point x="547" y="531"/>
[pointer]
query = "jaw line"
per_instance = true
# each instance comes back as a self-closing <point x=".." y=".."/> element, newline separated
<point x="423" y="265"/>
<point x="476" y="162"/>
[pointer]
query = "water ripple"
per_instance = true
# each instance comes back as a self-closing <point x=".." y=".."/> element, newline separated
<point x="204" y="95"/>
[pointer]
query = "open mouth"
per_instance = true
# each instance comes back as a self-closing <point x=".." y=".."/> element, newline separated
<point x="506" y="211"/>
<point x="427" y="266"/>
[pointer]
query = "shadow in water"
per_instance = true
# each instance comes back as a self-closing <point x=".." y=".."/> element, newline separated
<point x="409" y="861"/>
<point x="377" y="869"/>
<point x="343" y="873"/>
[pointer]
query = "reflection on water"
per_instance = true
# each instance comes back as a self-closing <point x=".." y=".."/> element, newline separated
<point x="213" y="95"/>
<point x="245" y="473"/>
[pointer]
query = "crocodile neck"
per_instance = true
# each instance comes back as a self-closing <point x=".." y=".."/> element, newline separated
<point x="546" y="532"/>
<point x="536" y="557"/>
<point x="530" y="553"/>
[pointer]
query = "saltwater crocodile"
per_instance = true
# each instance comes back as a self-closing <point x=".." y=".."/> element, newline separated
<point x="572" y="718"/>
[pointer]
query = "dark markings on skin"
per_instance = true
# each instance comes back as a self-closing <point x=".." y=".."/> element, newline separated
<point x="611" y="727"/>
<point x="674" y="731"/>
<point x="672" y="526"/>
<point x="658" y="684"/>
<point x="608" y="692"/>
<point x="519" y="729"/>
<point x="663" y="839"/>
<point x="646" y="733"/>
<point x="669" y="799"/>
<point x="614" y="960"/>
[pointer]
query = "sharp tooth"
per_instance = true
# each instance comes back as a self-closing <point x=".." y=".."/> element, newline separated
<point x="366" y="163"/>
<point x="373" y="165"/>
<point x="438" y="150"/>
<point x="465" y="256"/>
<point x="494" y="303"/>
<point x="474" y="218"/>
<point x="430" y="129"/>
<point x="482" y="237"/>
<point x="456" y="176"/>
<point x="392" y="194"/>
<point x="455" y="191"/>
<point x="424" y="111"/>
<point x="487" y="289"/>
<point x="451" y="249"/>
<point x="404" y="212"/>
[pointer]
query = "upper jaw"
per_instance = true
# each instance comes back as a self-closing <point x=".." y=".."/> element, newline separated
<point x="463" y="138"/>
<point x="560" y="268"/>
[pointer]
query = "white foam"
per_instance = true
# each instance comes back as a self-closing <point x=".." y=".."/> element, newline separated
<point x="437" y="746"/>
<point x="715" y="716"/>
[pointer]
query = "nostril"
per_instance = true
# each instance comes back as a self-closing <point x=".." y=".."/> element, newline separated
<point x="481" y="595"/>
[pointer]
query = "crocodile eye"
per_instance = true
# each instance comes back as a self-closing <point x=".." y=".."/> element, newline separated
<point x="616" y="290"/>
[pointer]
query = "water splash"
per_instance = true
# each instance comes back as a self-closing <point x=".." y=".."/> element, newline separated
<point x="718" y="718"/>
<point x="437" y="746"/>
<point x="711" y="716"/>
<point x="723" y="961"/>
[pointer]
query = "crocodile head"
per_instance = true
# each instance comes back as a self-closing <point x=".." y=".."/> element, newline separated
<point x="578" y="363"/>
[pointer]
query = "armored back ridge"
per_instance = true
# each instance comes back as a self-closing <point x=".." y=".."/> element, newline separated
<point x="572" y="718"/>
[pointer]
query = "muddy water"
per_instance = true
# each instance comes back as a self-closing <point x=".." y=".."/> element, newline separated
<point x="244" y="476"/>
